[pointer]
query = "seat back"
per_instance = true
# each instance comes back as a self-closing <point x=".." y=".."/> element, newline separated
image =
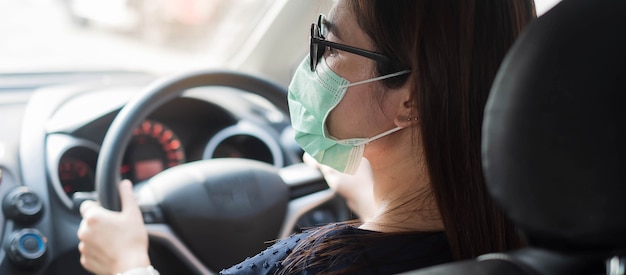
<point x="554" y="144"/>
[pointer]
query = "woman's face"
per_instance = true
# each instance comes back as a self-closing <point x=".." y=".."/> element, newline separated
<point x="364" y="111"/>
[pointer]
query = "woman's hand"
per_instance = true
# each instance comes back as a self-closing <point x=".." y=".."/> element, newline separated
<point x="111" y="241"/>
<point x="357" y="189"/>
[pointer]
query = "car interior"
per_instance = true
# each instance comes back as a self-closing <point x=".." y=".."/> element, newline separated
<point x="239" y="181"/>
<point x="218" y="175"/>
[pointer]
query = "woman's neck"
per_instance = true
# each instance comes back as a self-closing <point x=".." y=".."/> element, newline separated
<point x="402" y="192"/>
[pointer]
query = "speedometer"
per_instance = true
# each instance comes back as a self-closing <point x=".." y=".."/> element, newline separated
<point x="153" y="148"/>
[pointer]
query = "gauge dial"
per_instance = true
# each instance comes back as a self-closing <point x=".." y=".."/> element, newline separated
<point x="75" y="175"/>
<point x="153" y="148"/>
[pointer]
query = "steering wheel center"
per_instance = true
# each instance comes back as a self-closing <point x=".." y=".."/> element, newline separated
<point x="222" y="202"/>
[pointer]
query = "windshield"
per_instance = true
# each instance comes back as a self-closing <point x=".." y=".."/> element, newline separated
<point x="153" y="35"/>
<point x="147" y="35"/>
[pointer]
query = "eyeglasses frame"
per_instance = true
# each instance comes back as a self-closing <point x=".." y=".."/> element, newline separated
<point x="317" y="38"/>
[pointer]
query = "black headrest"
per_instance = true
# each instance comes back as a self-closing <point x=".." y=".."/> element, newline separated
<point x="554" y="133"/>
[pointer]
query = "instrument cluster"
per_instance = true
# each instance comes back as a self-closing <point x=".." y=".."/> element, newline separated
<point x="185" y="130"/>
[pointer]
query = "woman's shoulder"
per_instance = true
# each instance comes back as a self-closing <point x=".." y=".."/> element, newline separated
<point x="347" y="246"/>
<point x="375" y="252"/>
<point x="269" y="260"/>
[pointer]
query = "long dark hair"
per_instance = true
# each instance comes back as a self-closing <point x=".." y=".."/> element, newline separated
<point x="453" y="48"/>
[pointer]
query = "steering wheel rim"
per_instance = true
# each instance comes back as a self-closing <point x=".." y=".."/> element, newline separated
<point x="148" y="100"/>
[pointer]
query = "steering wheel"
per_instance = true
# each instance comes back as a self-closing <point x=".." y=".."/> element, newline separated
<point x="212" y="213"/>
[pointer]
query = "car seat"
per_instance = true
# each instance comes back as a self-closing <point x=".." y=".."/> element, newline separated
<point x="554" y="144"/>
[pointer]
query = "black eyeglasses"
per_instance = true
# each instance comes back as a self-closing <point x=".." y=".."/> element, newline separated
<point x="318" y="39"/>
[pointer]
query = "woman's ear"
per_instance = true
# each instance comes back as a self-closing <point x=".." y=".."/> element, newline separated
<point x="407" y="114"/>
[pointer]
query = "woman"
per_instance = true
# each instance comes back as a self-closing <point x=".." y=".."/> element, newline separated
<point x="413" y="76"/>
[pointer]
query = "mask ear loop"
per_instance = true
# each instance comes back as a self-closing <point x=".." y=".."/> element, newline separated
<point x="363" y="141"/>
<point x="375" y="79"/>
<point x="388" y="132"/>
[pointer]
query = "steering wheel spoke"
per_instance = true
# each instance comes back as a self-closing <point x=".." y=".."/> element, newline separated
<point x="163" y="234"/>
<point x="148" y="204"/>
<point x="300" y="206"/>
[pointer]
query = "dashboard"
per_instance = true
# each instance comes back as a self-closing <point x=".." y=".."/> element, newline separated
<point x="50" y="140"/>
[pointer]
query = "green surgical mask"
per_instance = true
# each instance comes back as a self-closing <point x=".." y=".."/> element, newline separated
<point x="312" y="95"/>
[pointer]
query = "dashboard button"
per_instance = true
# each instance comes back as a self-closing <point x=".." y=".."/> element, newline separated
<point x="22" y="205"/>
<point x="27" y="248"/>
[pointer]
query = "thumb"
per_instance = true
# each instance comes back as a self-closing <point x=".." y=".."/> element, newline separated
<point x="86" y="205"/>
<point x="127" y="196"/>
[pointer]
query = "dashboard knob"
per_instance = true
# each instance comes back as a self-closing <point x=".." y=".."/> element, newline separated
<point x="22" y="205"/>
<point x="27" y="248"/>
